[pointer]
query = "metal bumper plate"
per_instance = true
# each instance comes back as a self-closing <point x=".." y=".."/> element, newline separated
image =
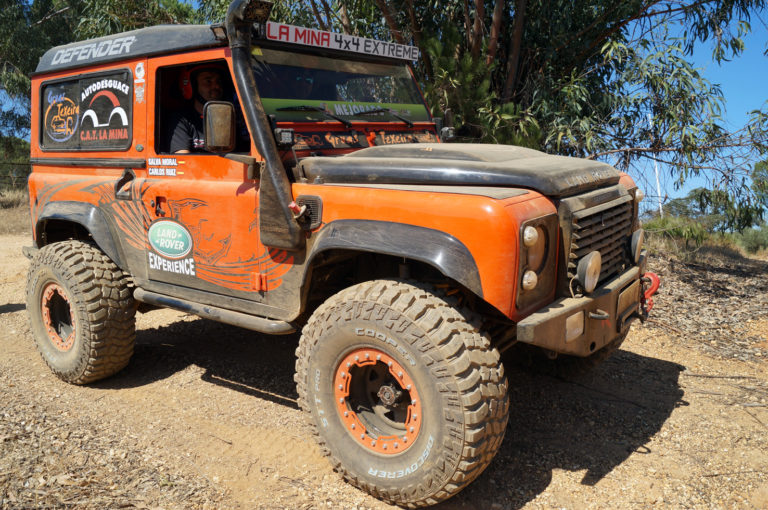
<point x="619" y="298"/>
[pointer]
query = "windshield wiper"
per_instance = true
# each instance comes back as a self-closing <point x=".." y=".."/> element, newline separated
<point x="389" y="111"/>
<point x="308" y="108"/>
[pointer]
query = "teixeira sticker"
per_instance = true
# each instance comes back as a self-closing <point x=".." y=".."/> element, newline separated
<point x="172" y="242"/>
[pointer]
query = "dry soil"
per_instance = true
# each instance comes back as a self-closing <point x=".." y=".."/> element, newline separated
<point x="205" y="415"/>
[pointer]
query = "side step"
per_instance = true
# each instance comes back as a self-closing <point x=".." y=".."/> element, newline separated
<point x="260" y="324"/>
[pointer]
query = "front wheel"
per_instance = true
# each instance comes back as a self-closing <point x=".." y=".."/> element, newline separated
<point x="81" y="311"/>
<point x="406" y="396"/>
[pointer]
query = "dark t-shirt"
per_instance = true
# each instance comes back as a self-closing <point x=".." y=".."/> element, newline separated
<point x="187" y="132"/>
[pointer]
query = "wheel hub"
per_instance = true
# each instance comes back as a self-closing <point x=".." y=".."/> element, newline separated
<point x="377" y="401"/>
<point x="389" y="395"/>
<point x="58" y="318"/>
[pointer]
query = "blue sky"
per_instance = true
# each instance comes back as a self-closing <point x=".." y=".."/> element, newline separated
<point x="744" y="82"/>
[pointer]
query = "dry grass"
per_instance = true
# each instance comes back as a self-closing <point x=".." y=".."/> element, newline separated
<point x="14" y="211"/>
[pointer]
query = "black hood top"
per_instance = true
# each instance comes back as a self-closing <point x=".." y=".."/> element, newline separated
<point x="463" y="164"/>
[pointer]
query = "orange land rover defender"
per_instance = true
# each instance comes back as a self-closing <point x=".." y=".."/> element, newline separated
<point x="322" y="199"/>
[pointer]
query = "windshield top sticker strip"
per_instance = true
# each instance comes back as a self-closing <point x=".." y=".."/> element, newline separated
<point x="322" y="39"/>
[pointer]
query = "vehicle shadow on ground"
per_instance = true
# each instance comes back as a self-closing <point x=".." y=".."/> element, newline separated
<point x="590" y="425"/>
<point x="246" y="361"/>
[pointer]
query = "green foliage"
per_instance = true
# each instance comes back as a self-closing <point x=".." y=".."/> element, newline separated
<point x="107" y="17"/>
<point x="677" y="228"/>
<point x="754" y="239"/>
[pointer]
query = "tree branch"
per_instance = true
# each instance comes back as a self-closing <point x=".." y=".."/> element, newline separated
<point x="397" y="34"/>
<point x="318" y="17"/>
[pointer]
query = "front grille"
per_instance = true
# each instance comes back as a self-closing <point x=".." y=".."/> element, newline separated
<point x="606" y="228"/>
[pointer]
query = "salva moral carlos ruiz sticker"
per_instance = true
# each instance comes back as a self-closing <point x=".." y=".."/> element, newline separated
<point x="172" y="242"/>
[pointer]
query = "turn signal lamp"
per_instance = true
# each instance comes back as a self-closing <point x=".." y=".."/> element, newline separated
<point x="588" y="271"/>
<point x="530" y="280"/>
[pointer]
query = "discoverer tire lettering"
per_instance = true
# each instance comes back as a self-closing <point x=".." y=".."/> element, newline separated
<point x="405" y="340"/>
<point x="82" y="312"/>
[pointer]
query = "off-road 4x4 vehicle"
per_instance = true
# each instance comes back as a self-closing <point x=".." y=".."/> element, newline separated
<point x="409" y="263"/>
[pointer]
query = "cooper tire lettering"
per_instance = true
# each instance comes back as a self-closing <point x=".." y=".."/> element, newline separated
<point x="416" y="398"/>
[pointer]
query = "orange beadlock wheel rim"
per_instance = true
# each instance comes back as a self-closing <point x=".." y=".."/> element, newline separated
<point x="377" y="401"/>
<point x="58" y="319"/>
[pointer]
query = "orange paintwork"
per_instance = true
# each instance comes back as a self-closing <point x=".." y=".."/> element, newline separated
<point x="211" y="196"/>
<point x="489" y="228"/>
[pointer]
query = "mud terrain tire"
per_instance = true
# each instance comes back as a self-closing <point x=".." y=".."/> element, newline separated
<point x="81" y="311"/>
<point x="384" y="338"/>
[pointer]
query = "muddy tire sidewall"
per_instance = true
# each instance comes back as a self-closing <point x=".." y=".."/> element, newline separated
<point x="418" y="465"/>
<point x="70" y="364"/>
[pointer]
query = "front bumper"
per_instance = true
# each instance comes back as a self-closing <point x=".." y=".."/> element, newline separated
<point x="583" y="325"/>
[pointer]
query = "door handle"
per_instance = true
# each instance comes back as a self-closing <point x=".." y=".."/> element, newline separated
<point x="121" y="191"/>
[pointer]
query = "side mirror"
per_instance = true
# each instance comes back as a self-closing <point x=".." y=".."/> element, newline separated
<point x="448" y="134"/>
<point x="219" y="125"/>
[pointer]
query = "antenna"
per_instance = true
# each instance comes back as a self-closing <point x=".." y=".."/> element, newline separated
<point x="656" y="169"/>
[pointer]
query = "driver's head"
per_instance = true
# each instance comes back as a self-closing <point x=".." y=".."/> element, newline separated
<point x="207" y="83"/>
<point x="304" y="84"/>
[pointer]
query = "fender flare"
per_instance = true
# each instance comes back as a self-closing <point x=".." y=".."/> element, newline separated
<point x="86" y="215"/>
<point x="434" y="247"/>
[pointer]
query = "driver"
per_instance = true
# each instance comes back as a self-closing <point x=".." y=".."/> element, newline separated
<point x="206" y="84"/>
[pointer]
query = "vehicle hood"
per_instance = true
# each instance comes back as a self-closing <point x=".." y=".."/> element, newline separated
<point x="464" y="165"/>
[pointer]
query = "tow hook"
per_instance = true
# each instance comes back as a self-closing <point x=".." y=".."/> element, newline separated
<point x="651" y="282"/>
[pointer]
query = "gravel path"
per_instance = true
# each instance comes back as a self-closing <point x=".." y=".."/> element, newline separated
<point x="205" y="415"/>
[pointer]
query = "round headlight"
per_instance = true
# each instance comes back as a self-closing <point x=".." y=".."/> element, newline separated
<point x="639" y="195"/>
<point x="588" y="271"/>
<point x="530" y="236"/>
<point x="530" y="280"/>
<point x="638" y="239"/>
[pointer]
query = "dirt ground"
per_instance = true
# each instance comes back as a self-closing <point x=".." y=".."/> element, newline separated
<point x="205" y="416"/>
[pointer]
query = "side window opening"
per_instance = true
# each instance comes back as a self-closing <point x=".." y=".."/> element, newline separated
<point x="181" y="91"/>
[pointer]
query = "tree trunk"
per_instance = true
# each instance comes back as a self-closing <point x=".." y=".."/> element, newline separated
<point x="416" y="31"/>
<point x="477" y="30"/>
<point x="514" y="53"/>
<point x="493" y="43"/>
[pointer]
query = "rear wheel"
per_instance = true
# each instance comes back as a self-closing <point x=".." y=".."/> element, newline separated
<point x="81" y="310"/>
<point x="406" y="396"/>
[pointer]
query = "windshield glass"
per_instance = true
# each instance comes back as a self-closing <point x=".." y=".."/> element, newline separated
<point x="342" y="87"/>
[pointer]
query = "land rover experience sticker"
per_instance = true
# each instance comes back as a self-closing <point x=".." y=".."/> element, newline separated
<point x="172" y="242"/>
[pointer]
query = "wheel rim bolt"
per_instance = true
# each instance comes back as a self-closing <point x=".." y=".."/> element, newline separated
<point x="352" y="426"/>
<point x="400" y="375"/>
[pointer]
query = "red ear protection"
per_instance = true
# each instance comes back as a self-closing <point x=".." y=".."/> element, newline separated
<point x="185" y="84"/>
<point x="185" y="79"/>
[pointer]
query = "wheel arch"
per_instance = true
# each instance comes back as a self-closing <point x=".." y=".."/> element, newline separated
<point x="436" y="249"/>
<point x="64" y="220"/>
